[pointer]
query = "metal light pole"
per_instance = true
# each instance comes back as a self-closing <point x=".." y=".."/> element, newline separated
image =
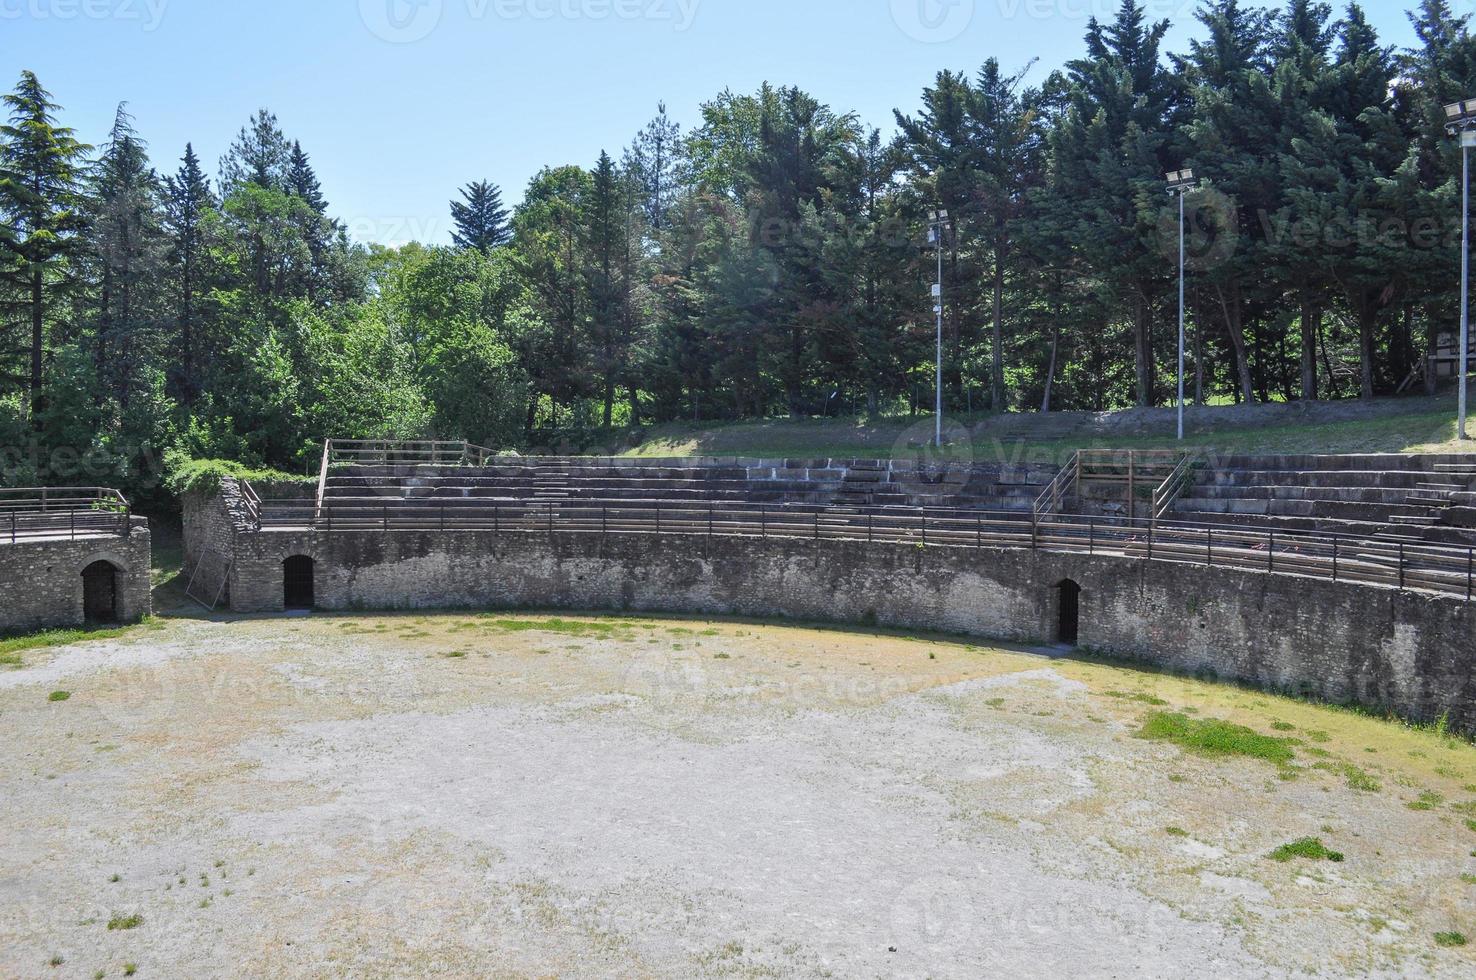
<point x="1181" y="183"/>
<point x="1462" y="118"/>
<point x="938" y="222"/>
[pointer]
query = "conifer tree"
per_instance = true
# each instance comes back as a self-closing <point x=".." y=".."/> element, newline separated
<point x="259" y="156"/>
<point x="187" y="199"/>
<point x="481" y="220"/>
<point x="41" y="207"/>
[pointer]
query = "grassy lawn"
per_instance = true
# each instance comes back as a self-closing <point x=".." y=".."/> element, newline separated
<point x="1405" y="426"/>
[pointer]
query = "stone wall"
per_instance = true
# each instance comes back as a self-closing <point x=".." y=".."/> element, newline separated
<point x="1344" y="643"/>
<point x="41" y="581"/>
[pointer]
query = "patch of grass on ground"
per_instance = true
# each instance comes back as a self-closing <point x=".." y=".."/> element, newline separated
<point x="1427" y="801"/>
<point x="124" y="922"/>
<point x="55" y="696"/>
<point x="1176" y="831"/>
<point x="1308" y="848"/>
<point x="1450" y="940"/>
<point x="1217" y="739"/>
<point x="1139" y="697"/>
<point x="12" y="648"/>
<point x="564" y="627"/>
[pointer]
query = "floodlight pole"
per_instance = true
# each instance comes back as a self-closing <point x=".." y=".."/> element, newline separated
<point x="1181" y="316"/>
<point x="1181" y="183"/>
<point x="939" y="220"/>
<point x="938" y="418"/>
<point x="1468" y="137"/>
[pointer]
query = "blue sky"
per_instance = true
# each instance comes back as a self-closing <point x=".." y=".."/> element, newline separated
<point x="399" y="102"/>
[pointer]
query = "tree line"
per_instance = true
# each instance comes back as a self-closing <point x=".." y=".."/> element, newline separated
<point x="771" y="260"/>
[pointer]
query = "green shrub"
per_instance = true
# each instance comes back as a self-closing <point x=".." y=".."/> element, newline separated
<point x="204" y="475"/>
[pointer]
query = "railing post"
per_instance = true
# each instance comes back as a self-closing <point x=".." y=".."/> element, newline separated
<point x="1209" y="547"/>
<point x="1151" y="526"/>
<point x="711" y="506"/>
<point x="979" y="531"/>
<point x="923" y="517"/>
<point x="72" y="517"/>
<point x="1401" y="564"/>
<point x="551" y="517"/>
<point x="1271" y="552"/>
<point x="1091" y="537"/>
<point x="443" y="518"/>
<point x="1335" y="557"/>
<point x="817" y="525"/>
<point x="1034" y="532"/>
<point x="386" y="518"/>
<point x="658" y="517"/>
<point x="12" y="527"/>
<point x="1470" y="574"/>
<point x="870" y="528"/>
<point x="604" y="519"/>
<point x="496" y="518"/>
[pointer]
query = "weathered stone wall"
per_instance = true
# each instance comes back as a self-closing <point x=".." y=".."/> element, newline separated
<point x="1343" y="643"/>
<point x="41" y="581"/>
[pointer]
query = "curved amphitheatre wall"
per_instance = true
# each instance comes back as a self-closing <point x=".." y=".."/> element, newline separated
<point x="1408" y="652"/>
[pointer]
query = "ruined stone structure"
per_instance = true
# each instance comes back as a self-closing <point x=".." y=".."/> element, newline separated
<point x="70" y="557"/>
<point x="1367" y="621"/>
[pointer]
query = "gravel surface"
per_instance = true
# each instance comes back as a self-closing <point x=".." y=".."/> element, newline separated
<point x="457" y="796"/>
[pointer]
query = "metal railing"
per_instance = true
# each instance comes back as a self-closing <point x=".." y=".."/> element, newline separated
<point x="69" y="512"/>
<point x="1066" y="483"/>
<point x="1448" y="570"/>
<point x="1179" y="481"/>
<point x="373" y="452"/>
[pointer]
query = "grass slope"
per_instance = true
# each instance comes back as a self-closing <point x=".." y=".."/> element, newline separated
<point x="1415" y="425"/>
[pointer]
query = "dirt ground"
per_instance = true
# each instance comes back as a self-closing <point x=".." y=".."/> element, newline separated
<point x="459" y="796"/>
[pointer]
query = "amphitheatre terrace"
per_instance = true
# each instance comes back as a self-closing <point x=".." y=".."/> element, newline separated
<point x="1351" y="578"/>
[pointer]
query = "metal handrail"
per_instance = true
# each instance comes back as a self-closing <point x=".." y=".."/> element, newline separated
<point x="51" y="512"/>
<point x="1173" y="488"/>
<point x="1343" y="558"/>
<point x="1052" y="500"/>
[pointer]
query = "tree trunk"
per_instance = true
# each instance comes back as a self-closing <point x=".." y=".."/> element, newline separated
<point x="997" y="379"/>
<point x="1143" y="351"/>
<point x="1311" y="327"/>
<point x="609" y="402"/>
<point x="1050" y="383"/>
<point x="1230" y="307"/>
<point x="1367" y="319"/>
<point x="38" y="321"/>
<point x="635" y="405"/>
<point x="1432" y="342"/>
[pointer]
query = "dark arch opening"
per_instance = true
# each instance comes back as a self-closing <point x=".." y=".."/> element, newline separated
<point x="100" y="593"/>
<point x="297" y="582"/>
<point x="1068" y="623"/>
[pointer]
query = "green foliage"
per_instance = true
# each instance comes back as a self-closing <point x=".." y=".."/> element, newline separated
<point x="1450" y="940"/>
<point x="204" y="475"/>
<point x="1216" y="739"/>
<point x="1309" y="849"/>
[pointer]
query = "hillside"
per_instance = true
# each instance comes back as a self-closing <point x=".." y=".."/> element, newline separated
<point x="1394" y="425"/>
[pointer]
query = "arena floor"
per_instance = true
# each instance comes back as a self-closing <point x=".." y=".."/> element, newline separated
<point x="514" y="796"/>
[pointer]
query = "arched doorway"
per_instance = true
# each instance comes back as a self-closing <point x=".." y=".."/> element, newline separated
<point x="297" y="582"/>
<point x="100" y="593"/>
<point x="1068" y="606"/>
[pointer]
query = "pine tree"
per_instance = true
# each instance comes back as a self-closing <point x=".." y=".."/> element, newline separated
<point x="260" y="156"/>
<point x="481" y="220"/>
<point x="302" y="182"/>
<point x="41" y="206"/>
<point x="656" y="163"/>
<point x="187" y="199"/>
<point x="129" y="247"/>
